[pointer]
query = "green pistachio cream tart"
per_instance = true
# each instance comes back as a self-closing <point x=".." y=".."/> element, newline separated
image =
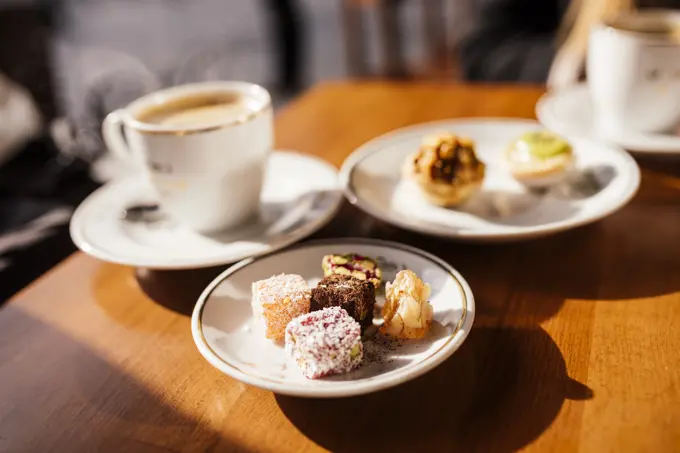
<point x="540" y="158"/>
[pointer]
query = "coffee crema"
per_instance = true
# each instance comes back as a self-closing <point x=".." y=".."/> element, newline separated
<point x="650" y="24"/>
<point x="198" y="110"/>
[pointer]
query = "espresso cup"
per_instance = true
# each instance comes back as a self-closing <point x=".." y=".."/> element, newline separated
<point x="203" y="146"/>
<point x="633" y="70"/>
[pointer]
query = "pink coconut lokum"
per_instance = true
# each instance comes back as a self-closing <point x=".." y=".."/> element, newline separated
<point x="325" y="342"/>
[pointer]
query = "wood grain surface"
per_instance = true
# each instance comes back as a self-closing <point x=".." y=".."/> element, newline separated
<point x="576" y="344"/>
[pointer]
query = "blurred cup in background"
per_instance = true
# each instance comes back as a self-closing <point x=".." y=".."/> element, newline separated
<point x="633" y="71"/>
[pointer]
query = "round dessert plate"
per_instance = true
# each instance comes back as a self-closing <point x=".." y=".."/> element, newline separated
<point x="300" y="195"/>
<point x="233" y="341"/>
<point x="569" y="111"/>
<point x="603" y="180"/>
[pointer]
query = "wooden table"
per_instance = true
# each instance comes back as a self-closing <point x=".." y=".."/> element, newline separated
<point x="576" y="344"/>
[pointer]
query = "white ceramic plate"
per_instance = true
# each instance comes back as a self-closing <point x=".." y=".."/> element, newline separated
<point x="605" y="178"/>
<point x="227" y="336"/>
<point x="569" y="111"/>
<point x="300" y="195"/>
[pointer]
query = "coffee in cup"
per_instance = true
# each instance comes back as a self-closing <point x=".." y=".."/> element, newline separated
<point x="633" y="71"/>
<point x="203" y="146"/>
<point x="197" y="110"/>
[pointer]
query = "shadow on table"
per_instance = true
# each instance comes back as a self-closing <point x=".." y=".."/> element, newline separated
<point x="660" y="183"/>
<point x="177" y="290"/>
<point x="59" y="395"/>
<point x="666" y="164"/>
<point x="499" y="392"/>
<point x="625" y="256"/>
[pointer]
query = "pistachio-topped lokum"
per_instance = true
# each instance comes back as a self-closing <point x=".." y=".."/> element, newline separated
<point x="358" y="266"/>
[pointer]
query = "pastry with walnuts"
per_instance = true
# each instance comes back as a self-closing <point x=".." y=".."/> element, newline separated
<point x="446" y="169"/>
<point x="407" y="313"/>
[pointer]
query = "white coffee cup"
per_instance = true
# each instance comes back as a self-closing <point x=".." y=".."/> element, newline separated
<point x="204" y="147"/>
<point x="633" y="71"/>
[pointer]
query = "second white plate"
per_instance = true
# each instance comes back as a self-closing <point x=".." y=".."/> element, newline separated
<point x="605" y="179"/>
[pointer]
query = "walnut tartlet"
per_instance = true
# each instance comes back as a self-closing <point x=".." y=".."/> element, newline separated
<point x="446" y="169"/>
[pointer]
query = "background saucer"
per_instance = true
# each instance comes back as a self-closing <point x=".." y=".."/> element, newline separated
<point x="300" y="195"/>
<point x="605" y="178"/>
<point x="569" y="111"/>
<point x="229" y="338"/>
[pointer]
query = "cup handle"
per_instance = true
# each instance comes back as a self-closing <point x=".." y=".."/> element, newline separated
<point x="112" y="132"/>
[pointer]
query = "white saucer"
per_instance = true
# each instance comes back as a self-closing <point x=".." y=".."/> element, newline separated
<point x="503" y="210"/>
<point x="300" y="195"/>
<point x="569" y="112"/>
<point x="229" y="338"/>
